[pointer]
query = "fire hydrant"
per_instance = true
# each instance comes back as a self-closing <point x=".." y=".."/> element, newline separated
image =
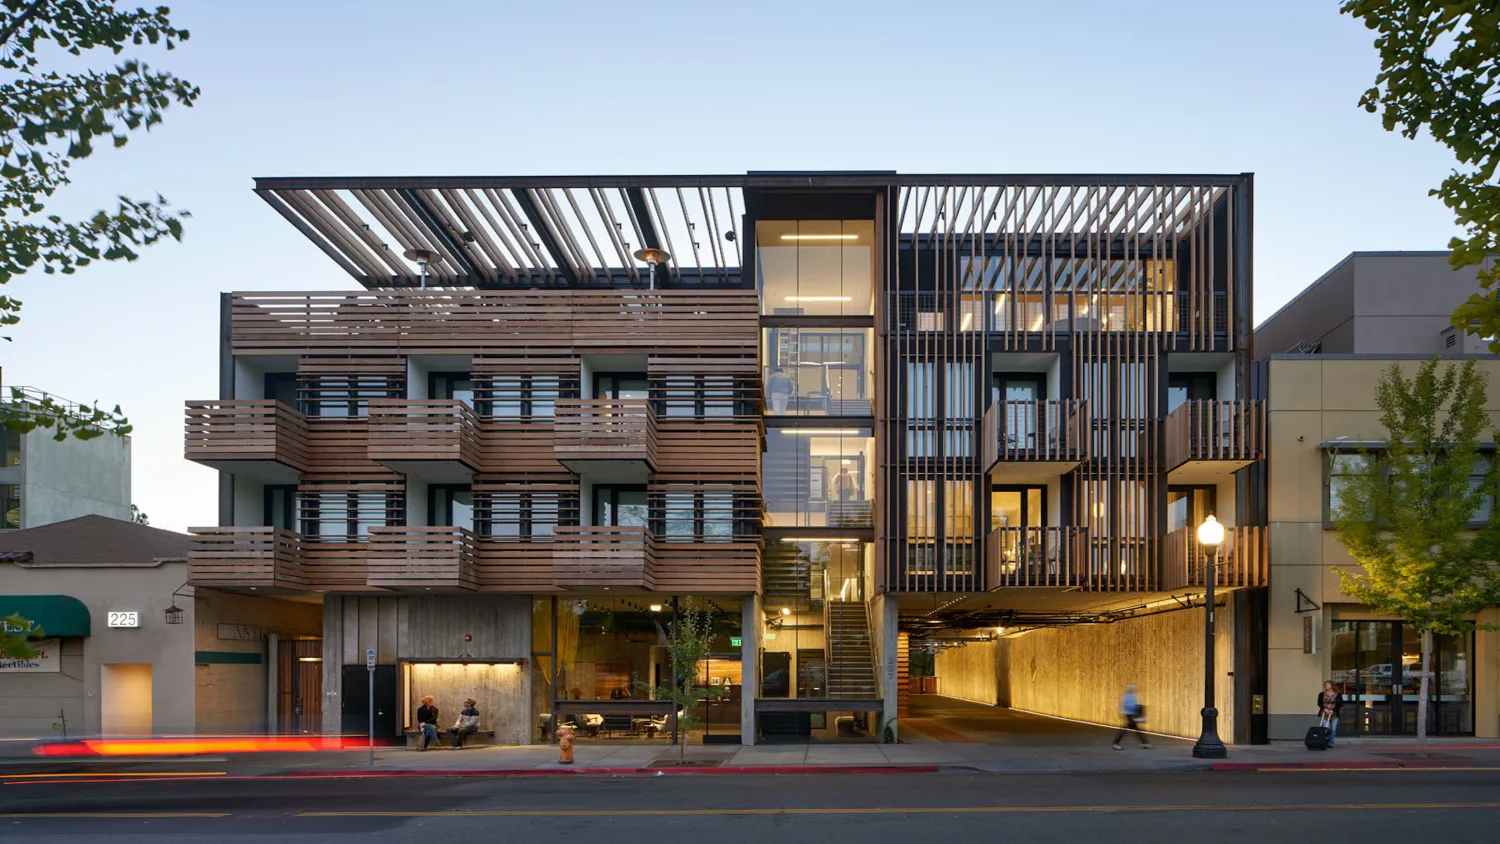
<point x="564" y="745"/>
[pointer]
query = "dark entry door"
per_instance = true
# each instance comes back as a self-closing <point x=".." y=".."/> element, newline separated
<point x="356" y="696"/>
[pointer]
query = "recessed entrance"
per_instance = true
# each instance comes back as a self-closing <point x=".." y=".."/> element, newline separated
<point x="125" y="700"/>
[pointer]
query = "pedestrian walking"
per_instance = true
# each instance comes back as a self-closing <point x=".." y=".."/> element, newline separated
<point x="427" y="723"/>
<point x="1134" y="713"/>
<point x="780" y="386"/>
<point x="1330" y="702"/>
<point x="467" y="723"/>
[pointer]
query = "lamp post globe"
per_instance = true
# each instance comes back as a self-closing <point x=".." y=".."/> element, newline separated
<point x="1209" y="745"/>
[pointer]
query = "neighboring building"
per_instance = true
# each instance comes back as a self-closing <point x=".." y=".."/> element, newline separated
<point x="1371" y="310"/>
<point x="1376" y="303"/>
<point x="850" y="414"/>
<point x="114" y="661"/>
<point x="43" y="480"/>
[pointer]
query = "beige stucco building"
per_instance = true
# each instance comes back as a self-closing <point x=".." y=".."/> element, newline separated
<point x="1321" y="406"/>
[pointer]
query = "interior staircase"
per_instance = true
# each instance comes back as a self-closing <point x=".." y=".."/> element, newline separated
<point x="851" y="663"/>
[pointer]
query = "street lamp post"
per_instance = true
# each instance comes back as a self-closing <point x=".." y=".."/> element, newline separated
<point x="1209" y="746"/>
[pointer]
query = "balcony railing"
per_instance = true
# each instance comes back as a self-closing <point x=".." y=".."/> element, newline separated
<point x="590" y="557"/>
<point x="246" y="557"/>
<point x="604" y="429"/>
<point x="1212" y="430"/>
<point x="1048" y="431"/>
<point x="422" y="558"/>
<point x="1241" y="559"/>
<point x="1036" y="556"/>
<point x="258" y="429"/>
<point x="423" y="430"/>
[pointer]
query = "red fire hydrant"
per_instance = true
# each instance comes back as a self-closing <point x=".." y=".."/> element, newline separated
<point x="564" y="745"/>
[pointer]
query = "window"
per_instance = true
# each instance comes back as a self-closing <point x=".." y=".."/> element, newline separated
<point x="1340" y="468"/>
<point x="1190" y="506"/>
<point x="524" y="516"/>
<point x="341" y="395"/>
<point x="522" y="398"/>
<point x="1183" y="387"/>
<point x="452" y="385"/>
<point x="450" y="506"/>
<point x="620" y="506"/>
<point x="282" y="388"/>
<point x="347" y="516"/>
<point x="1478" y="477"/>
<point x="10" y="449"/>
<point x="707" y="516"/>
<point x="10" y="506"/>
<point x="281" y="506"/>
<point x="958" y="511"/>
<point x="921" y="391"/>
<point x="815" y="267"/>
<point x="621" y="385"/>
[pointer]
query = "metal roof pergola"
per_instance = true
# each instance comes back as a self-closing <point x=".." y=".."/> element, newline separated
<point x="579" y="230"/>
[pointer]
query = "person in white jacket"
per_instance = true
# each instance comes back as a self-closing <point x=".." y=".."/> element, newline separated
<point x="467" y="723"/>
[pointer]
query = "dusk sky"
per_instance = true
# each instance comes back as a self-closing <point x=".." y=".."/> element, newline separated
<point x="368" y="87"/>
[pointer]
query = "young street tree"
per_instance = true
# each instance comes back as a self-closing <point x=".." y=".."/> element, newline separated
<point x="690" y="637"/>
<point x="1440" y="71"/>
<point x="50" y="120"/>
<point x="1407" y="514"/>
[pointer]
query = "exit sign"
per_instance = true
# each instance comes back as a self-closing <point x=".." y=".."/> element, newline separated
<point x="735" y="641"/>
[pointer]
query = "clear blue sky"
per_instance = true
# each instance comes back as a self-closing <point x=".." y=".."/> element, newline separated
<point x="373" y="87"/>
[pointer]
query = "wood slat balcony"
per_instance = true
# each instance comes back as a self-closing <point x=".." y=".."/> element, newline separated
<point x="422" y="559"/>
<point x="709" y="565"/>
<point x="1031" y="441"/>
<point x="590" y="432"/>
<point x="262" y="559"/>
<point x="589" y="557"/>
<point x="1209" y="439"/>
<point x="258" y="437"/>
<point x="437" y="439"/>
<point x="439" y="322"/>
<point x="1037" y="556"/>
<point x="1241" y="559"/>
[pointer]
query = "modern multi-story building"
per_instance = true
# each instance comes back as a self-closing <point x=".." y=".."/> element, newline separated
<point x="44" y="480"/>
<point x="1327" y="350"/>
<point x="846" y="414"/>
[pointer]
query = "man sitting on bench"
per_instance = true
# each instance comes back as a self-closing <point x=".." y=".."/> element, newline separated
<point x="467" y="723"/>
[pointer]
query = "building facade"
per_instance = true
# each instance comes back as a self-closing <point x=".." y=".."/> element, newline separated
<point x="1371" y="311"/>
<point x="843" y="414"/>
<point x="43" y="480"/>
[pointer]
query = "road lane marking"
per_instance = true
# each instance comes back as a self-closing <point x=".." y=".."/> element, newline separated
<point x="111" y="815"/>
<point x="163" y="774"/>
<point x="581" y="813"/>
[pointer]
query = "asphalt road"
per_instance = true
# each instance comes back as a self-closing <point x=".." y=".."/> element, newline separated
<point x="1447" y="806"/>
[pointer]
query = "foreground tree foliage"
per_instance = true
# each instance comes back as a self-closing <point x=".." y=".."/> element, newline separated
<point x="16" y="636"/>
<point x="1440" y="71"/>
<point x="50" y="119"/>
<point x="1407" y="514"/>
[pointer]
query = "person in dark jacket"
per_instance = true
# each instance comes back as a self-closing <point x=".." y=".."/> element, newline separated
<point x="467" y="723"/>
<point x="1329" y="704"/>
<point x="427" y="723"/>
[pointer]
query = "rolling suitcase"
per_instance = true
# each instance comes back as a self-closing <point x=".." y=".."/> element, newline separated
<point x="1318" y="737"/>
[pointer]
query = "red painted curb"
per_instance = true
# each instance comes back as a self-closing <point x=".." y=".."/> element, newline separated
<point x="760" y="770"/>
<point x="1338" y="765"/>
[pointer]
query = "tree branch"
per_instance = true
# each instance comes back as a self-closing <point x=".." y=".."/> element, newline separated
<point x="20" y="21"/>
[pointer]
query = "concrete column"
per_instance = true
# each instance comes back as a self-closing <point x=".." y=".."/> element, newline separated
<point x="273" y="723"/>
<point x="886" y="621"/>
<point x="333" y="664"/>
<point x="751" y="615"/>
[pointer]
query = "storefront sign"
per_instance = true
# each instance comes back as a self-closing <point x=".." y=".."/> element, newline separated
<point x="1309" y="635"/>
<point x="45" y="660"/>
<point x="241" y="633"/>
<point x="123" y="619"/>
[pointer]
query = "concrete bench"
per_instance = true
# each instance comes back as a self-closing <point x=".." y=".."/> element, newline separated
<point x="445" y="739"/>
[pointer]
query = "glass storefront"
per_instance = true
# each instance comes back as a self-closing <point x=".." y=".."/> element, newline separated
<point x="1377" y="666"/>
<point x="613" y="656"/>
<point x="818" y="477"/>
<point x="815" y="642"/>
<point x="818" y="371"/>
<point x="815" y="267"/>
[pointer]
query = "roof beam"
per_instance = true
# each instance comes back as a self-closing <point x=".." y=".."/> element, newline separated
<point x="452" y="249"/>
<point x="642" y="213"/>
<point x="544" y="235"/>
<point x="313" y="235"/>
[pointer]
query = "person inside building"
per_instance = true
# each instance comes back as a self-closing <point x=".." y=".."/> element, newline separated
<point x="780" y="386"/>
<point x="467" y="723"/>
<point x="845" y="485"/>
<point x="1329" y="704"/>
<point x="427" y="723"/>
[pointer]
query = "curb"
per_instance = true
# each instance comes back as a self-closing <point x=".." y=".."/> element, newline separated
<point x="744" y="770"/>
<point x="1362" y="765"/>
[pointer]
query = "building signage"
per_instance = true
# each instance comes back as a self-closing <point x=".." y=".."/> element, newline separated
<point x="46" y="659"/>
<point x="123" y="619"/>
<point x="241" y="633"/>
<point x="1309" y="635"/>
<point x="735" y="641"/>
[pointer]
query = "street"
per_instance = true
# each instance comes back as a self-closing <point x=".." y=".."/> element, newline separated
<point x="1449" y="806"/>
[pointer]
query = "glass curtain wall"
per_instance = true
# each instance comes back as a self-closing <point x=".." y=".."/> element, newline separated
<point x="819" y="477"/>
<point x="1377" y="666"/>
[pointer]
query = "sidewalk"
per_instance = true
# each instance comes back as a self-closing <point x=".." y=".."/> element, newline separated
<point x="1168" y="755"/>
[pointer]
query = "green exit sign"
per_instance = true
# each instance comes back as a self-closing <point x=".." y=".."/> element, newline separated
<point x="734" y="641"/>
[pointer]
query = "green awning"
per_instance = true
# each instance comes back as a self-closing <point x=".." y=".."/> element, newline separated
<point x="57" y="615"/>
